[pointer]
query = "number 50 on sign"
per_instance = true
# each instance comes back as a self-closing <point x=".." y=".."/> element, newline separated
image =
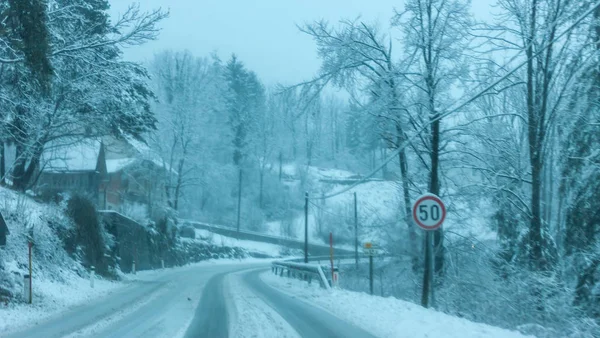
<point x="429" y="212"/>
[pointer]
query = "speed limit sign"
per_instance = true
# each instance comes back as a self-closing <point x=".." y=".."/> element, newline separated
<point x="429" y="212"/>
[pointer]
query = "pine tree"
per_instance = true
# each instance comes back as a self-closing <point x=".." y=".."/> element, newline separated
<point x="245" y="97"/>
<point x="29" y="21"/>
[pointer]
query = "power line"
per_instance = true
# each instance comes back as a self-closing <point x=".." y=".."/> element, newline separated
<point x="462" y="105"/>
<point x="329" y="212"/>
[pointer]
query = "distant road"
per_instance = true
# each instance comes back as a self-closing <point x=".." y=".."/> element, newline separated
<point x="314" y="249"/>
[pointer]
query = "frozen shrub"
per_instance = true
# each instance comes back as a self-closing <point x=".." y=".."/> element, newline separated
<point x="89" y="232"/>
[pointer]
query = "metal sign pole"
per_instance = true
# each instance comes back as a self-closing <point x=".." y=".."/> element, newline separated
<point x="426" y="272"/>
<point x="431" y="268"/>
<point x="429" y="213"/>
<point x="371" y="273"/>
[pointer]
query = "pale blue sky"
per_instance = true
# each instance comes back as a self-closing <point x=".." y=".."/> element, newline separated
<point x="262" y="32"/>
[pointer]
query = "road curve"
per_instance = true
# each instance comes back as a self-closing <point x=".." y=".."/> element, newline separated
<point x="161" y="306"/>
<point x="211" y="318"/>
<point x="191" y="302"/>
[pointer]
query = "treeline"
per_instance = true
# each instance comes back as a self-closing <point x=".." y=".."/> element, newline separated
<point x="501" y="119"/>
<point x="222" y="129"/>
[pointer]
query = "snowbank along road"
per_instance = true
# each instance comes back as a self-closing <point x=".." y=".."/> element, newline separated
<point x="220" y="300"/>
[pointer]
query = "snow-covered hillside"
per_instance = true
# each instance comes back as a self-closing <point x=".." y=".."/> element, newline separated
<point x="380" y="208"/>
<point x="51" y="263"/>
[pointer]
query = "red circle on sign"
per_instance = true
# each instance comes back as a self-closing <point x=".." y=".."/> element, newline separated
<point x="436" y="200"/>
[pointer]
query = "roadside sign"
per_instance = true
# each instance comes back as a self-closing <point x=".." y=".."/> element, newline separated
<point x="369" y="249"/>
<point x="429" y="212"/>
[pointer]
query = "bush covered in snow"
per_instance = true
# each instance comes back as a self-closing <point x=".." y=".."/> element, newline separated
<point x="50" y="230"/>
<point x="89" y="233"/>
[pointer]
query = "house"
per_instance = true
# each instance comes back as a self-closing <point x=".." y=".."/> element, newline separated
<point x="120" y="175"/>
<point x="134" y="179"/>
<point x="73" y="166"/>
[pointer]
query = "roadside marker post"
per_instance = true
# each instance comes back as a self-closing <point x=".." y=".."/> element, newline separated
<point x="92" y="273"/>
<point x="429" y="213"/>
<point x="371" y="252"/>
<point x="26" y="288"/>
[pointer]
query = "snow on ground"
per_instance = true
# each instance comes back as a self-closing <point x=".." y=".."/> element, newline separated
<point x="294" y="170"/>
<point x="51" y="297"/>
<point x="380" y="204"/>
<point x="251" y="316"/>
<point x="386" y="317"/>
<point x="267" y="249"/>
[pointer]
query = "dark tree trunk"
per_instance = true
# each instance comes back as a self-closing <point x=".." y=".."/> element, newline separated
<point x="260" y="195"/>
<point x="34" y="163"/>
<point x="178" y="185"/>
<point x="2" y="164"/>
<point x="535" y="155"/>
<point x="438" y="235"/>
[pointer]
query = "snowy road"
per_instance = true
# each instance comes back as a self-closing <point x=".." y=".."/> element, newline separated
<point x="306" y="319"/>
<point x="227" y="300"/>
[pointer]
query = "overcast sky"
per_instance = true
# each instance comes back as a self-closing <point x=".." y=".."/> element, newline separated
<point x="262" y="33"/>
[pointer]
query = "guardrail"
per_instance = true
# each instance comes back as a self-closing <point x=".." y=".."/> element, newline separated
<point x="295" y="269"/>
<point x="306" y="271"/>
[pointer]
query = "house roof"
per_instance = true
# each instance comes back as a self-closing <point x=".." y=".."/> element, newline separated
<point x="71" y="155"/>
<point x="118" y="164"/>
<point x="79" y="155"/>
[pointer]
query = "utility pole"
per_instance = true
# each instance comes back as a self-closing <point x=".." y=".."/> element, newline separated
<point x="306" y="227"/>
<point x="280" y="164"/>
<point x="239" y="210"/>
<point x="331" y="256"/>
<point x="355" y="232"/>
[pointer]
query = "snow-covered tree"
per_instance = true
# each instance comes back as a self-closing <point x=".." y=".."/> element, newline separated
<point x="92" y="91"/>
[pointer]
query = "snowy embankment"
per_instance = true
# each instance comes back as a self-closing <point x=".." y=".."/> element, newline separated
<point x="253" y="248"/>
<point x="386" y="317"/>
<point x="52" y="297"/>
<point x="58" y="280"/>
